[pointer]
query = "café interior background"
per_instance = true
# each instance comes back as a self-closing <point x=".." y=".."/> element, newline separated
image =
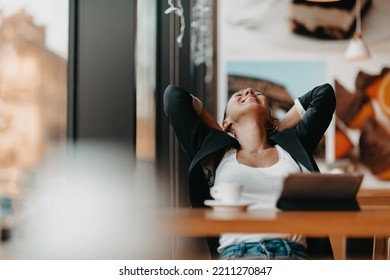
<point x="254" y="40"/>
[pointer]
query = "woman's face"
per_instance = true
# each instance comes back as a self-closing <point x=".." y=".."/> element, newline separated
<point x="247" y="102"/>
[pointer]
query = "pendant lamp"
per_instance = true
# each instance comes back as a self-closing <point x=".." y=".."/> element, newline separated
<point x="357" y="48"/>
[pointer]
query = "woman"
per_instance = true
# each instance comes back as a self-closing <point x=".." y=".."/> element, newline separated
<point x="252" y="149"/>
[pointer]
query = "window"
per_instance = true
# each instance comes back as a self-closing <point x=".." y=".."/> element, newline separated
<point x="146" y="79"/>
<point x="33" y="84"/>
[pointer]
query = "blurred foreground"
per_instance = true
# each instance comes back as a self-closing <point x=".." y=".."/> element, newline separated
<point x="89" y="201"/>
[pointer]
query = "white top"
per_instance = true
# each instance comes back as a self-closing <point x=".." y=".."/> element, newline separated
<point x="262" y="188"/>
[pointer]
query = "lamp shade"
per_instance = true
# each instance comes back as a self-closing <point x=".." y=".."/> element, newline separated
<point x="357" y="49"/>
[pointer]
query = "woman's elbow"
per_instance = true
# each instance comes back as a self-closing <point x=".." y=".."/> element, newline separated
<point x="169" y="94"/>
<point x="328" y="88"/>
<point x="175" y="97"/>
<point x="330" y="95"/>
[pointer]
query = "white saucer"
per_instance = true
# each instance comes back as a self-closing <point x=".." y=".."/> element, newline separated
<point x="220" y="206"/>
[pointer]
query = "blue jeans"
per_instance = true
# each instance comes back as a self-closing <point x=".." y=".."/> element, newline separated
<point x="273" y="249"/>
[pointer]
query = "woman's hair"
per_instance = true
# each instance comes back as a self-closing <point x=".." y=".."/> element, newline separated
<point x="272" y="125"/>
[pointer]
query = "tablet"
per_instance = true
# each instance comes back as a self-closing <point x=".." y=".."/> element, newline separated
<point x="319" y="191"/>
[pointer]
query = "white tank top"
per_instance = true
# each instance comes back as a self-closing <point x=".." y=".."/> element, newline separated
<point x="262" y="187"/>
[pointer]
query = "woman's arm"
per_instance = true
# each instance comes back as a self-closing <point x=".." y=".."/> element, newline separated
<point x="290" y="120"/>
<point x="204" y="115"/>
<point x="209" y="120"/>
<point x="190" y="121"/>
<point x="318" y="106"/>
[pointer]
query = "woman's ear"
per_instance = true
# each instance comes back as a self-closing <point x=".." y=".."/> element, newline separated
<point x="226" y="126"/>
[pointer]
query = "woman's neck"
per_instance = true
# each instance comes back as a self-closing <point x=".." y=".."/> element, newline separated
<point x="252" y="137"/>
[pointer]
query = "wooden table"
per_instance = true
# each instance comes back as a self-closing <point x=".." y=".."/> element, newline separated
<point x="205" y="222"/>
<point x="374" y="198"/>
<point x="202" y="222"/>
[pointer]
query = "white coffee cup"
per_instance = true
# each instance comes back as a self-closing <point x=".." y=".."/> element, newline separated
<point x="227" y="192"/>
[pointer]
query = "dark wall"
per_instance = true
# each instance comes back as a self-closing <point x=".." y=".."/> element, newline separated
<point x="101" y="70"/>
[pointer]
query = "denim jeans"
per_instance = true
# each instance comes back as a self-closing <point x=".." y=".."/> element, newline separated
<point x="273" y="249"/>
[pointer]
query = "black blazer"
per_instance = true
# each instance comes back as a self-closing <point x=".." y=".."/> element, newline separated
<point x="205" y="146"/>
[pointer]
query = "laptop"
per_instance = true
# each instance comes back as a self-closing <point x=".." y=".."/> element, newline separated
<point x="319" y="191"/>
